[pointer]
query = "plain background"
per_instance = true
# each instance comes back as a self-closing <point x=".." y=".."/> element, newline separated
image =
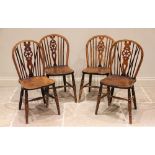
<point x="77" y="14"/>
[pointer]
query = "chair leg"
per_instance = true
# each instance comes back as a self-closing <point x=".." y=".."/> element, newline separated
<point x="43" y="95"/>
<point x="56" y="99"/>
<point x="134" y="97"/>
<point x="74" y="87"/>
<point x="112" y="93"/>
<point x="26" y="106"/>
<point x="47" y="96"/>
<point x="81" y="86"/>
<point x="90" y="81"/>
<point x="129" y="106"/>
<point x="64" y="80"/>
<point x="98" y="99"/>
<point x="21" y="98"/>
<point x="108" y="95"/>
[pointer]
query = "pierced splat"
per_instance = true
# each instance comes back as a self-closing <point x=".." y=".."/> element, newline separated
<point x="28" y="55"/>
<point x="53" y="47"/>
<point x="126" y="53"/>
<point x="100" y="49"/>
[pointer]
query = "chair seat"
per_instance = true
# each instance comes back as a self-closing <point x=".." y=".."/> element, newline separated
<point x="118" y="81"/>
<point x="96" y="70"/>
<point x="36" y="82"/>
<point x="58" y="70"/>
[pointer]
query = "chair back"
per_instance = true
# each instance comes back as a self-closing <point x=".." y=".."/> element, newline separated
<point x="27" y="58"/>
<point x="97" y="51"/>
<point x="126" y="57"/>
<point x="55" y="50"/>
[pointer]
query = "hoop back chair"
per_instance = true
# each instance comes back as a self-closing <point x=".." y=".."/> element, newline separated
<point x="56" y="55"/>
<point x="126" y="57"/>
<point x="29" y="65"/>
<point x="97" y="58"/>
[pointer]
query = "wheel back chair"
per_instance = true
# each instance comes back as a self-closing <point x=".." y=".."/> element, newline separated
<point x="126" y="57"/>
<point x="56" y="55"/>
<point x="97" y="57"/>
<point x="29" y="64"/>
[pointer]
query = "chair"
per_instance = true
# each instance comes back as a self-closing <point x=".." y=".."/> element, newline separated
<point x="126" y="57"/>
<point x="97" y="57"/>
<point x="30" y="68"/>
<point x="56" y="55"/>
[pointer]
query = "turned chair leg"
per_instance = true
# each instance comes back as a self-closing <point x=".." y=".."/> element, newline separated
<point x="56" y="99"/>
<point x="64" y="80"/>
<point x="108" y="95"/>
<point x="134" y="97"/>
<point x="129" y="106"/>
<point x="47" y="96"/>
<point x="112" y="93"/>
<point x="26" y="106"/>
<point x="90" y="81"/>
<point x="43" y="95"/>
<point x="98" y="99"/>
<point x="21" y="98"/>
<point x="74" y="87"/>
<point x="81" y="86"/>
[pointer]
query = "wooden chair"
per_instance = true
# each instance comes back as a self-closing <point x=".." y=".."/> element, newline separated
<point x="30" y="68"/>
<point x="125" y="60"/>
<point x="56" y="55"/>
<point x="97" y="57"/>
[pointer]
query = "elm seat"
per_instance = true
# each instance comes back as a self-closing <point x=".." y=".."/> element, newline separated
<point x="118" y="81"/>
<point x="60" y="70"/>
<point x="36" y="82"/>
<point x="96" y="70"/>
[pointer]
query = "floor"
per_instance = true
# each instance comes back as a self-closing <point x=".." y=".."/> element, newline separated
<point x="78" y="114"/>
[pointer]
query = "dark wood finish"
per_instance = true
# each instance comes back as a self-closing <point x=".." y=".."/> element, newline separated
<point x="43" y="95"/>
<point x="74" y="87"/>
<point x="126" y="57"/>
<point x="112" y="93"/>
<point x="21" y="98"/>
<point x="108" y="95"/>
<point x="97" y="58"/>
<point x="29" y="63"/>
<point x="64" y="80"/>
<point x="98" y="98"/>
<point x="26" y="106"/>
<point x="134" y="97"/>
<point x="81" y="86"/>
<point x="129" y="106"/>
<point x="56" y="99"/>
<point x="90" y="81"/>
<point x="56" y="56"/>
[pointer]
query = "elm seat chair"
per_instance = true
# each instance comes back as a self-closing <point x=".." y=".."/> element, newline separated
<point x="29" y="64"/>
<point x="56" y="55"/>
<point x="126" y="57"/>
<point x="97" y="57"/>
